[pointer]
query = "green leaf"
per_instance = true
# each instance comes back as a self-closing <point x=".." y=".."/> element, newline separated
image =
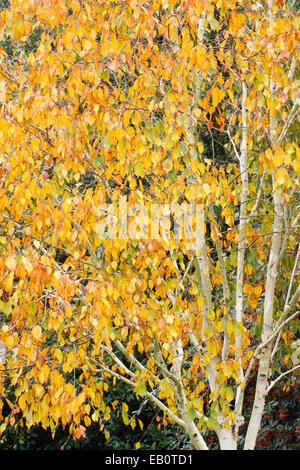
<point x="191" y="414"/>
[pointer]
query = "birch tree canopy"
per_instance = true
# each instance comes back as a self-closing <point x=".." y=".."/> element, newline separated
<point x="149" y="211"/>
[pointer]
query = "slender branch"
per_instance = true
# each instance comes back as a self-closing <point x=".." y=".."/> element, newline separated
<point x="289" y="120"/>
<point x="292" y="277"/>
<point x="278" y="327"/>
<point x="280" y="377"/>
<point x="128" y="356"/>
<point x="194" y="341"/>
<point x="149" y="395"/>
<point x="286" y="311"/>
<point x="233" y="145"/>
<point x="118" y="361"/>
<point x="286" y="235"/>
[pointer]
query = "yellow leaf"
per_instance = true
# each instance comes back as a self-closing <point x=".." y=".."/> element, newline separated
<point x="230" y="327"/>
<point x="124" y="407"/>
<point x="248" y="269"/>
<point x="248" y="289"/>
<point x="217" y="95"/>
<point x="8" y="282"/>
<point x="200" y="147"/>
<point x="296" y="165"/>
<point x="22" y="402"/>
<point x="58" y="354"/>
<point x="229" y="394"/>
<point x="37" y="244"/>
<point x="11" y="263"/>
<point x="125" y="417"/>
<point x="75" y="7"/>
<point x="36" y="332"/>
<point x="87" y="420"/>
<point x="258" y="291"/>
<point x="35" y="144"/>
<point x="167" y="165"/>
<point x="87" y="45"/>
<point x="133" y="423"/>
<point x="277" y="159"/>
<point x="132" y="183"/>
<point x="282" y="177"/>
<point x="27" y="264"/>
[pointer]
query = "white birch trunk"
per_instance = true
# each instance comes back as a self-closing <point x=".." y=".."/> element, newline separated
<point x="241" y="253"/>
<point x="265" y="359"/>
<point x="272" y="273"/>
<point x="226" y="439"/>
<point x="181" y="401"/>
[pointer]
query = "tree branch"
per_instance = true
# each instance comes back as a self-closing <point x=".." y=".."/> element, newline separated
<point x="280" y="377"/>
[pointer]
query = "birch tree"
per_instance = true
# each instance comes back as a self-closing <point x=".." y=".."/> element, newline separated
<point x="132" y="251"/>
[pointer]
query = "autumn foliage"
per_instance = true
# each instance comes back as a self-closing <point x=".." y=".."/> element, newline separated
<point x="143" y="109"/>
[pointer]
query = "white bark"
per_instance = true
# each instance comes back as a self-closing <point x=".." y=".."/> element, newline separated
<point x="272" y="273"/>
<point x="226" y="439"/>
<point x="265" y="359"/>
<point x="243" y="220"/>
<point x="181" y="400"/>
<point x="241" y="251"/>
<point x="2" y="352"/>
